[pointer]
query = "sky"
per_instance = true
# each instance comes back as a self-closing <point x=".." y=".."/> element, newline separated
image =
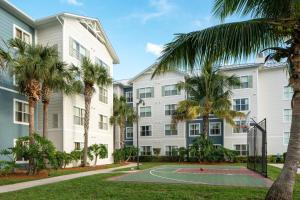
<point x="137" y="29"/>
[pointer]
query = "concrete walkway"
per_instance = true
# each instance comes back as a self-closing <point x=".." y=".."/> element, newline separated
<point x="29" y="184"/>
<point x="281" y="166"/>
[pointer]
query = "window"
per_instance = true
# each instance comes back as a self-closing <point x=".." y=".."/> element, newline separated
<point x="240" y="127"/>
<point x="103" y="122"/>
<point x="246" y="82"/>
<point x="241" y="149"/>
<point x="21" y="110"/>
<point x="215" y="128"/>
<point x="102" y="63"/>
<point x="78" y="145"/>
<point x="20" y="159"/>
<point x="288" y="92"/>
<point x="55" y="120"/>
<point x="145" y="92"/>
<point x="170" y="90"/>
<point x="129" y="132"/>
<point x="77" y="51"/>
<point x="287" y="115"/>
<point x="146" y="150"/>
<point x="146" y="130"/>
<point x="170" y="129"/>
<point x="145" y="111"/>
<point x="286" y="138"/>
<point x="128" y="96"/>
<point x="217" y="146"/>
<point x="103" y="95"/>
<point x="22" y="35"/>
<point x="170" y="109"/>
<point x="241" y="104"/>
<point x="78" y="116"/>
<point x="171" y="150"/>
<point x="194" y="129"/>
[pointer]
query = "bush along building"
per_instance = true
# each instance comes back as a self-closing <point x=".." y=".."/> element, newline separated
<point x="263" y="93"/>
<point x="75" y="37"/>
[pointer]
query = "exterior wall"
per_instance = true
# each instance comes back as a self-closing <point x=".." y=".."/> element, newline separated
<point x="271" y="106"/>
<point x="8" y="92"/>
<point x="158" y="118"/>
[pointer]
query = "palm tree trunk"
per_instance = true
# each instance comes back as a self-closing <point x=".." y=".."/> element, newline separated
<point x="45" y="119"/>
<point x="205" y="128"/>
<point x="88" y="91"/>
<point x="32" y="104"/>
<point x="96" y="157"/>
<point x="121" y="136"/>
<point x="283" y="187"/>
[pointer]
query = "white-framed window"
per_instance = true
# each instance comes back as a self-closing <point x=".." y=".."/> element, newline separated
<point x="216" y="146"/>
<point x="147" y="92"/>
<point x="146" y="150"/>
<point x="103" y="122"/>
<point x="21" y="112"/>
<point x="128" y="96"/>
<point x="78" y="145"/>
<point x="287" y="115"/>
<point x="241" y="148"/>
<point x="288" y="92"/>
<point x="55" y="120"/>
<point x="102" y="63"/>
<point x="171" y="129"/>
<point x="240" y="126"/>
<point x="77" y="50"/>
<point x="170" y="109"/>
<point x="145" y="111"/>
<point x="22" y="34"/>
<point x="246" y="82"/>
<point x="194" y="129"/>
<point x="241" y="104"/>
<point x="171" y="150"/>
<point x="286" y="138"/>
<point x="78" y="116"/>
<point x="215" y="129"/>
<point x="146" y="130"/>
<point x="170" y="90"/>
<point x="20" y="160"/>
<point x="103" y="95"/>
<point x="129" y="132"/>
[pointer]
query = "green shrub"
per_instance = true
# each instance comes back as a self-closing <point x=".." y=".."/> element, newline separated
<point x="240" y="159"/>
<point x="7" y="167"/>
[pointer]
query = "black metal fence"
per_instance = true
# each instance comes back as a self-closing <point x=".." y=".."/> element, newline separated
<point x="257" y="148"/>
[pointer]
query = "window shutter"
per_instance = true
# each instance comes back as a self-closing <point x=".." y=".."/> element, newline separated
<point x="163" y="91"/>
<point x="152" y="92"/>
<point x="250" y="79"/>
<point x="71" y="46"/>
<point x="137" y="93"/>
<point x="87" y="53"/>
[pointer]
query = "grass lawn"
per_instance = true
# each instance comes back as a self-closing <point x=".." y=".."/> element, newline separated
<point x="97" y="187"/>
<point x="52" y="173"/>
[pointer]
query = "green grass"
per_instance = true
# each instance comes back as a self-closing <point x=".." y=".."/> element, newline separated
<point x="97" y="187"/>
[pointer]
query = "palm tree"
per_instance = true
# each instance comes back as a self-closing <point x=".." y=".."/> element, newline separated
<point x="275" y="26"/>
<point x="58" y="77"/>
<point x="91" y="75"/>
<point x="98" y="150"/>
<point x="208" y="93"/>
<point x="122" y="114"/>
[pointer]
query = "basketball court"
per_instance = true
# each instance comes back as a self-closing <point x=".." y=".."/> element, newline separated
<point x="225" y="175"/>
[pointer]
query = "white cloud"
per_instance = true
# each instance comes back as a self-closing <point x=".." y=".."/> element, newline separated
<point x="154" y="49"/>
<point x="74" y="2"/>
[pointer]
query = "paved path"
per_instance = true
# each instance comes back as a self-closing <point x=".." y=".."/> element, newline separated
<point x="281" y="166"/>
<point x="29" y="184"/>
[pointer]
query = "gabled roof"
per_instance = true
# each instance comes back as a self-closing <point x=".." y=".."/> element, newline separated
<point x="93" y="25"/>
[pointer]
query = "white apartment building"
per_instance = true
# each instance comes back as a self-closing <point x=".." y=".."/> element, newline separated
<point x="75" y="37"/>
<point x="264" y="93"/>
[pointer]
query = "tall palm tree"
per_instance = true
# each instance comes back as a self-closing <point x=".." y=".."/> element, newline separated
<point x="122" y="114"/>
<point x="275" y="26"/>
<point x="58" y="78"/>
<point x="91" y="75"/>
<point x="208" y="93"/>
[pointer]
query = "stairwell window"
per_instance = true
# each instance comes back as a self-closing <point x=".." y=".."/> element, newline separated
<point x="287" y="115"/>
<point x="145" y="111"/>
<point x="146" y="130"/>
<point x="194" y="129"/>
<point x="288" y="92"/>
<point x="170" y="109"/>
<point x="170" y="129"/>
<point x="146" y="150"/>
<point x="241" y="149"/>
<point x="22" y="34"/>
<point x="103" y="97"/>
<point x="241" y="104"/>
<point x="147" y="92"/>
<point x="21" y="112"/>
<point x="103" y="122"/>
<point x="215" y="129"/>
<point x="77" y="50"/>
<point x="170" y="90"/>
<point x="171" y="150"/>
<point x="78" y="116"/>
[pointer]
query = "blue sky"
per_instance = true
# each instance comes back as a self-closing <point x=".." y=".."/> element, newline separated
<point x="136" y="28"/>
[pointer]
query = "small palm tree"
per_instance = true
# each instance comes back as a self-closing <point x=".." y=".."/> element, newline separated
<point x="274" y="27"/>
<point x="91" y="75"/>
<point x="122" y="114"/>
<point x="98" y="150"/>
<point x="208" y="93"/>
<point x="58" y="78"/>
